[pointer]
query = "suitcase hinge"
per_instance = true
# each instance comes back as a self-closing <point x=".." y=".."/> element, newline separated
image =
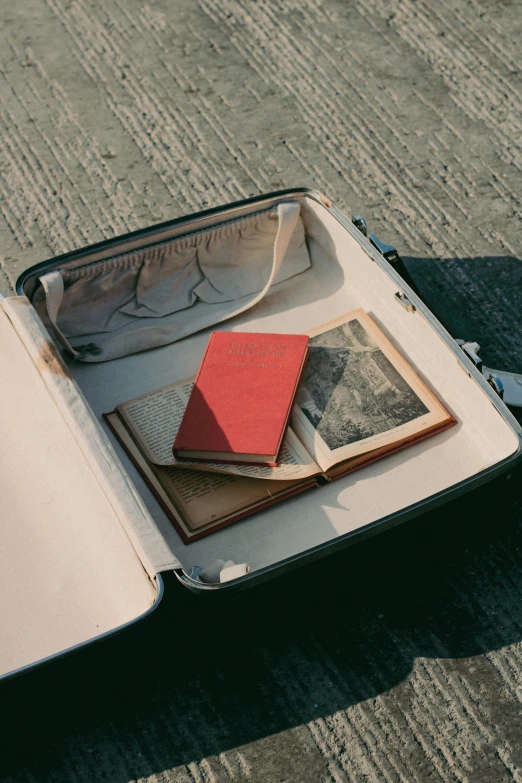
<point x="391" y="254"/>
<point x="508" y="385"/>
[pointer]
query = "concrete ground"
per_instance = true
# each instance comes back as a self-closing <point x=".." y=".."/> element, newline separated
<point x="398" y="660"/>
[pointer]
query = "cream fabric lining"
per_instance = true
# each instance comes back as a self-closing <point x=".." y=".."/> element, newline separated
<point x="68" y="569"/>
<point x="341" y="278"/>
<point x="157" y="295"/>
<point x="147" y="541"/>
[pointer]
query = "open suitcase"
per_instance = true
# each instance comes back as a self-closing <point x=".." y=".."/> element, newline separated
<point x="84" y="542"/>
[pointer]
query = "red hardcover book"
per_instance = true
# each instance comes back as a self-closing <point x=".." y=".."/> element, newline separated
<point x="242" y="398"/>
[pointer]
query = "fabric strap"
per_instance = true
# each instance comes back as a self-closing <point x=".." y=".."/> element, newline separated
<point x="288" y="215"/>
<point x="52" y="284"/>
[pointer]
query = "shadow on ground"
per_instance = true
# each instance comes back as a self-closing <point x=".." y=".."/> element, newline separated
<point x="476" y="299"/>
<point x="203" y="676"/>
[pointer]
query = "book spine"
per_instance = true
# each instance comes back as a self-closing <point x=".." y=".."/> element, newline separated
<point x="211" y="338"/>
<point x="290" y="408"/>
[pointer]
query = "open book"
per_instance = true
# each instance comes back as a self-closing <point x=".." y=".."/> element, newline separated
<point x="359" y="400"/>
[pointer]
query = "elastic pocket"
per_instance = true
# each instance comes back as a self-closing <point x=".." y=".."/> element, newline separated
<point x="167" y="279"/>
<point x="156" y="295"/>
<point x="236" y="263"/>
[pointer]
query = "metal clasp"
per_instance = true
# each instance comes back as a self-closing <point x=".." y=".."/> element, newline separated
<point x="389" y="252"/>
<point x="405" y="302"/>
<point x="496" y="384"/>
<point x="508" y="385"/>
<point x="471" y="350"/>
<point x="360" y="223"/>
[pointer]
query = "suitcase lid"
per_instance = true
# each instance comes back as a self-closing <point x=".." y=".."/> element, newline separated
<point x="79" y="552"/>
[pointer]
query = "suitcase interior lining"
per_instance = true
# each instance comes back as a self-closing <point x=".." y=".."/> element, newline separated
<point x="342" y="277"/>
<point x="152" y="296"/>
<point x="68" y="570"/>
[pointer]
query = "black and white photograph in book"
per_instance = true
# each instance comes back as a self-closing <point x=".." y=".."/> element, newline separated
<point x="351" y="391"/>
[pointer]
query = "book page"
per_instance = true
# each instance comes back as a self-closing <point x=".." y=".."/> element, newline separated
<point x="358" y="394"/>
<point x="154" y="419"/>
<point x="196" y="499"/>
<point x="207" y="497"/>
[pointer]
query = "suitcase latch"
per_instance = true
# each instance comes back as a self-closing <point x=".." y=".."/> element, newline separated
<point x="471" y="350"/>
<point x="391" y="254"/>
<point x="405" y="302"/>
